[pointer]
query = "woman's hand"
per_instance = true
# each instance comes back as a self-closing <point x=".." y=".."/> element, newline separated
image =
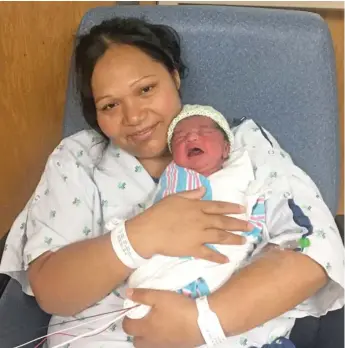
<point x="171" y="323"/>
<point x="181" y="225"/>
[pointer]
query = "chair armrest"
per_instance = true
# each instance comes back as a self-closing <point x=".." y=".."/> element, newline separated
<point x="339" y="220"/>
<point x="2" y="244"/>
<point x="4" y="279"/>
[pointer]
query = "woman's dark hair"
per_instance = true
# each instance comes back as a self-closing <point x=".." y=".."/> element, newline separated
<point x="160" y="42"/>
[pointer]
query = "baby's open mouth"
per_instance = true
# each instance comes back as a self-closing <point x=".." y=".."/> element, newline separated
<point x="194" y="151"/>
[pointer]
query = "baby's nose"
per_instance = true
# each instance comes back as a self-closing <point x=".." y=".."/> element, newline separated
<point x="192" y="136"/>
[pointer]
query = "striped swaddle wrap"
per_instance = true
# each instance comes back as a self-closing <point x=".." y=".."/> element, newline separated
<point x="178" y="179"/>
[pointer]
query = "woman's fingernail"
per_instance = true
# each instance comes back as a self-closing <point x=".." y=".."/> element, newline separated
<point x="242" y="209"/>
<point x="129" y="293"/>
<point x="250" y="226"/>
<point x="244" y="240"/>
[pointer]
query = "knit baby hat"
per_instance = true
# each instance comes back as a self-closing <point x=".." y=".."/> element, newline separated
<point x="201" y="110"/>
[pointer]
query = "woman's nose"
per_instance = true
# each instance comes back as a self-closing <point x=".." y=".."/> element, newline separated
<point x="133" y="114"/>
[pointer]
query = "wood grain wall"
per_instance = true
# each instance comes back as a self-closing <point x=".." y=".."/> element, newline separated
<point x="35" y="47"/>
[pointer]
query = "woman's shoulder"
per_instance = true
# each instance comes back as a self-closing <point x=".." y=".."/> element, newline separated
<point x="261" y="145"/>
<point x="82" y="150"/>
<point x="249" y="132"/>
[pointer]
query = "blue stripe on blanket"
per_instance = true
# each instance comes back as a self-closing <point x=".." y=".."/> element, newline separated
<point x="181" y="179"/>
<point x="163" y="185"/>
<point x="196" y="289"/>
<point x="206" y="183"/>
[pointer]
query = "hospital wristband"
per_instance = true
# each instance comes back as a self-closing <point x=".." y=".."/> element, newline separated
<point x="209" y="324"/>
<point x="122" y="246"/>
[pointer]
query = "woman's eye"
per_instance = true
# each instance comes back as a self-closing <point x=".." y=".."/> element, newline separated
<point x="109" y="106"/>
<point x="146" y="89"/>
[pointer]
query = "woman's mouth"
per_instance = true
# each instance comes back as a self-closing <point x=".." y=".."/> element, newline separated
<point x="143" y="134"/>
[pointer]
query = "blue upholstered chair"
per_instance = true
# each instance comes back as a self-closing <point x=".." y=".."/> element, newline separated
<point x="275" y="66"/>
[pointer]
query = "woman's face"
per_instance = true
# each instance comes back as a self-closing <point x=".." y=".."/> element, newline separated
<point x="136" y="98"/>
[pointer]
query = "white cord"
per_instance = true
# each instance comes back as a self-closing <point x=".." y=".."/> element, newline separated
<point x="67" y="329"/>
<point x="94" y="332"/>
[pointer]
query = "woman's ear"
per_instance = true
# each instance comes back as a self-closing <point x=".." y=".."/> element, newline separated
<point x="177" y="79"/>
<point x="226" y="150"/>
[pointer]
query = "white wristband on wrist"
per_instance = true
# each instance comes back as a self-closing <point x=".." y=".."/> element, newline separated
<point x="122" y="246"/>
<point x="209" y="324"/>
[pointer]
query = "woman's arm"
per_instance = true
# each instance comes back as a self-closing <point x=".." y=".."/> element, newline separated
<point x="75" y="277"/>
<point x="265" y="289"/>
<point x="282" y="279"/>
<point x="273" y="284"/>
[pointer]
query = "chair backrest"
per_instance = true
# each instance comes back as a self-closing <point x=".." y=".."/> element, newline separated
<point x="274" y="66"/>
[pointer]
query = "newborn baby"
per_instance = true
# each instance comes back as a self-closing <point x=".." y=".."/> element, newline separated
<point x="201" y="143"/>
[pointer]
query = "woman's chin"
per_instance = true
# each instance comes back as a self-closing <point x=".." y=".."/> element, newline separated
<point x="153" y="152"/>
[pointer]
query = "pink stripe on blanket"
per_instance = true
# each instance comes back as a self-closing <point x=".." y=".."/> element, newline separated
<point x="198" y="181"/>
<point x="189" y="180"/>
<point x="257" y="217"/>
<point x="174" y="180"/>
<point x="168" y="174"/>
<point x="258" y="224"/>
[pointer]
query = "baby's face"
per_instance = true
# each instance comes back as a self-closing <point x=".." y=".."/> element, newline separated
<point x="198" y="144"/>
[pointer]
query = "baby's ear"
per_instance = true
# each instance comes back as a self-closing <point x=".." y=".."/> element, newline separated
<point x="226" y="150"/>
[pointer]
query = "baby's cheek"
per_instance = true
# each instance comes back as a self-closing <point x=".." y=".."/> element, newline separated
<point x="178" y="155"/>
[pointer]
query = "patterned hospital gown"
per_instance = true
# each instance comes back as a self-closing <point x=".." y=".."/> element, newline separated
<point x="75" y="198"/>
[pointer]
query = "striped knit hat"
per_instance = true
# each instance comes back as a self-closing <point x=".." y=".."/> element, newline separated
<point x="201" y="110"/>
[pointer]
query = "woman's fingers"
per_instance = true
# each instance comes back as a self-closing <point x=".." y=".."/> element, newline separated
<point x="215" y="236"/>
<point x="193" y="194"/>
<point x="162" y="228"/>
<point x="209" y="254"/>
<point x="228" y="223"/>
<point x="134" y="327"/>
<point x="217" y="207"/>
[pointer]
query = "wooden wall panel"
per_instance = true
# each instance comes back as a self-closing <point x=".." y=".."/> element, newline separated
<point x="148" y="3"/>
<point x="35" y="48"/>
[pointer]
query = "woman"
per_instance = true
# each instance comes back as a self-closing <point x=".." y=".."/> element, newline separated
<point x="129" y="75"/>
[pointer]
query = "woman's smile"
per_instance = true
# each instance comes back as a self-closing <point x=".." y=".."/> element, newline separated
<point x="144" y="134"/>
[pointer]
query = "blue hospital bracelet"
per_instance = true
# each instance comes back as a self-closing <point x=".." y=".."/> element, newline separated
<point x="122" y="246"/>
